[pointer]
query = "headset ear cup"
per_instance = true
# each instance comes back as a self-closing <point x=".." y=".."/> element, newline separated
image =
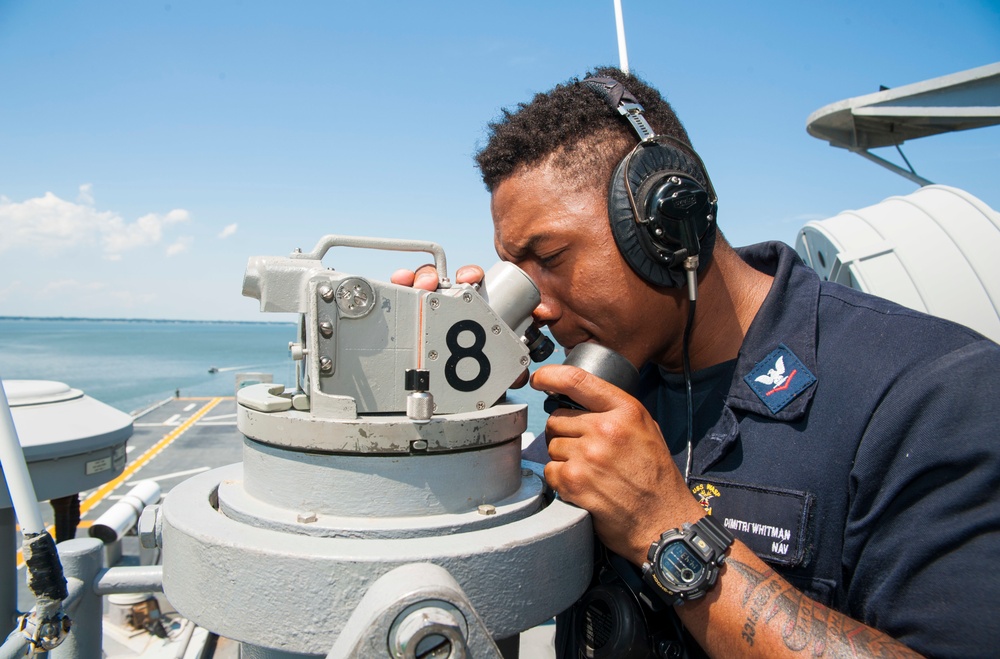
<point x="649" y="164"/>
<point x="626" y="234"/>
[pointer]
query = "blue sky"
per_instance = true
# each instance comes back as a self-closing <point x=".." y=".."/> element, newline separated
<point x="147" y="149"/>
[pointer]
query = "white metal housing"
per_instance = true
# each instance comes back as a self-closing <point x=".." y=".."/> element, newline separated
<point x="935" y="250"/>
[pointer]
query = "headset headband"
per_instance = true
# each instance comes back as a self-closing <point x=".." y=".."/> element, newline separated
<point x="622" y="100"/>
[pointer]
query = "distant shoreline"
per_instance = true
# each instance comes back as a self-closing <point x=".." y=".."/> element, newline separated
<point x="149" y="320"/>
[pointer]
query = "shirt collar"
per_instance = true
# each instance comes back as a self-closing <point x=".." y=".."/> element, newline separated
<point x="787" y="316"/>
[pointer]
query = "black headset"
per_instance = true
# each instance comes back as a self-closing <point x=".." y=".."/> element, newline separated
<point x="661" y="202"/>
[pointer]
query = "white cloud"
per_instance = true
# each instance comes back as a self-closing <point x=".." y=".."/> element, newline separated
<point x="228" y="231"/>
<point x="179" y="245"/>
<point x="51" y="224"/>
<point x="86" y="194"/>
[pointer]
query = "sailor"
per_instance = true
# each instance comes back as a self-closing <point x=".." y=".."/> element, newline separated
<point x="806" y="469"/>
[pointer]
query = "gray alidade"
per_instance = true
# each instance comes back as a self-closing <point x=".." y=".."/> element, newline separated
<point x="381" y="508"/>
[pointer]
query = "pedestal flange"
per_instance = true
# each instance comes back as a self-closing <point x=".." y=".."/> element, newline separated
<point x="295" y="592"/>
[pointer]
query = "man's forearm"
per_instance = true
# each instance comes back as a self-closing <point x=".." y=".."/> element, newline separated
<point x="754" y="612"/>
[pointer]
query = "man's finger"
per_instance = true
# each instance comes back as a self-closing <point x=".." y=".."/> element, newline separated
<point x="426" y="277"/>
<point x="583" y="388"/>
<point x="469" y="274"/>
<point x="564" y="423"/>
<point x="403" y="277"/>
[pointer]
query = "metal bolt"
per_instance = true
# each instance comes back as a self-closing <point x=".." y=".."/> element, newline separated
<point x="524" y="360"/>
<point x="433" y="354"/>
<point x="432" y="630"/>
<point x="487" y="509"/>
<point x="435" y="303"/>
<point x="480" y="405"/>
<point x="149" y="527"/>
<point x="306" y="518"/>
<point x="496" y="329"/>
<point x="418" y="445"/>
<point x="325" y="292"/>
<point x="325" y="364"/>
<point x="467" y="297"/>
<point x="710" y="217"/>
<point x="675" y="180"/>
<point x="658" y="231"/>
<point x="326" y="329"/>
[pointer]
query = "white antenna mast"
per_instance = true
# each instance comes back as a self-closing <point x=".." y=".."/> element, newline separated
<point x="622" y="51"/>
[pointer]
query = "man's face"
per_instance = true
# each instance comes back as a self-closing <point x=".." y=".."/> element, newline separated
<point x="560" y="236"/>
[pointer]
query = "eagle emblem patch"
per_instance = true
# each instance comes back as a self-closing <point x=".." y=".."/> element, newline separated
<point x="779" y="378"/>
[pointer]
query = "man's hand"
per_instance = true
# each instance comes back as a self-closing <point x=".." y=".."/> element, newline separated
<point x="426" y="276"/>
<point x="612" y="461"/>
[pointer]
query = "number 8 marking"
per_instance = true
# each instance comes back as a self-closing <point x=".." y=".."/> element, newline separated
<point x="475" y="351"/>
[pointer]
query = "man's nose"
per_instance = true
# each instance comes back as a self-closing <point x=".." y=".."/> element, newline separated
<point x="547" y="311"/>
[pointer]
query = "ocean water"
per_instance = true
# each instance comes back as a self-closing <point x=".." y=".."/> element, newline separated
<point x="134" y="364"/>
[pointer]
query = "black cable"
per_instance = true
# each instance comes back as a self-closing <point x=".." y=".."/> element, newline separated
<point x="687" y="386"/>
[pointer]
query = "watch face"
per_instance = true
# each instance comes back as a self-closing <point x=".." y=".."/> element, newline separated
<point x="680" y="566"/>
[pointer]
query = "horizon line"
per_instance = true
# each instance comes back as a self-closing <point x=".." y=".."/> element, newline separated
<point x="149" y="320"/>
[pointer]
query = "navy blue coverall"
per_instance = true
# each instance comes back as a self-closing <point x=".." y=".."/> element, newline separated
<point x="854" y="445"/>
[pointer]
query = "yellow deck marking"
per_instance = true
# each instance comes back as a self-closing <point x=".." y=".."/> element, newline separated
<point x="150" y="453"/>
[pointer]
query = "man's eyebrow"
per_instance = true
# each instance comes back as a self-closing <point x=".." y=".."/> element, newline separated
<point x="529" y="246"/>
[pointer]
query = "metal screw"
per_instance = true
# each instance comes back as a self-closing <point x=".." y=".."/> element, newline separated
<point x="326" y="328"/>
<point x="480" y="405"/>
<point x="433" y="354"/>
<point x="675" y="180"/>
<point x="658" y="231"/>
<point x="524" y="360"/>
<point x="496" y="329"/>
<point x="435" y="303"/>
<point x="306" y="518"/>
<point x="325" y="292"/>
<point x="487" y="509"/>
<point x="467" y="297"/>
<point x="325" y="364"/>
<point x="418" y="445"/>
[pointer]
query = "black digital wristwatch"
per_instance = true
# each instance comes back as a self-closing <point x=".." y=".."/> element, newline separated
<point x="684" y="563"/>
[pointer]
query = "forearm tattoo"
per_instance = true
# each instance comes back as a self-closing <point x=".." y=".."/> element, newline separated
<point x="807" y="626"/>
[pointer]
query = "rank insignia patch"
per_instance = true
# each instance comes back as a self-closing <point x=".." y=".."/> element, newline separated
<point x="779" y="378"/>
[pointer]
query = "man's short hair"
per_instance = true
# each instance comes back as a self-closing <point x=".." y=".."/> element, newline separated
<point x="573" y="126"/>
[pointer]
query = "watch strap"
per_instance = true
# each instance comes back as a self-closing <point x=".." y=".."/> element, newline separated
<point x="714" y="533"/>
